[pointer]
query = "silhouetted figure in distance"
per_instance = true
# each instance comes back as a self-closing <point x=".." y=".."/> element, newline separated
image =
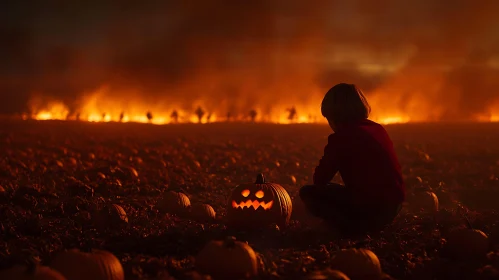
<point x="104" y="116"/>
<point x="77" y="116"/>
<point x="149" y="116"/>
<point x="200" y="113"/>
<point x="229" y="116"/>
<point x="208" y="117"/>
<point x="122" y="116"/>
<point x="252" y="115"/>
<point x="292" y="113"/>
<point x="174" y="116"/>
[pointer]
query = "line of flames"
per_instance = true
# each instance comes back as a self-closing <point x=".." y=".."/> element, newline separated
<point x="185" y="117"/>
<point x="98" y="107"/>
<point x="58" y="111"/>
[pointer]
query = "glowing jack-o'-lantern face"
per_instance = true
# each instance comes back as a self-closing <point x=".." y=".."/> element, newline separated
<point x="254" y="202"/>
<point x="259" y="203"/>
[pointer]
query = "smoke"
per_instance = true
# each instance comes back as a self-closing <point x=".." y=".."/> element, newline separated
<point x="408" y="55"/>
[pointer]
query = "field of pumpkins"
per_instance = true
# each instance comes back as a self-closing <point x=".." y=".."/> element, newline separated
<point x="129" y="201"/>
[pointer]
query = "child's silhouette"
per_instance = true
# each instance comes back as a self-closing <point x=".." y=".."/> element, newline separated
<point x="363" y="153"/>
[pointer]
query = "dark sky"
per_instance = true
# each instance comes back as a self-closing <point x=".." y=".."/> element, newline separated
<point x="251" y="52"/>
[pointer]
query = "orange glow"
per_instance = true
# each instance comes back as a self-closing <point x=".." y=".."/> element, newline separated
<point x="491" y="115"/>
<point x="54" y="111"/>
<point x="391" y="120"/>
<point x="253" y="203"/>
<point x="245" y="193"/>
<point x="101" y="106"/>
<point x="259" y="194"/>
<point x="494" y="112"/>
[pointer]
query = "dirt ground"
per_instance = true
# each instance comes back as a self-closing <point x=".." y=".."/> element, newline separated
<point x="55" y="173"/>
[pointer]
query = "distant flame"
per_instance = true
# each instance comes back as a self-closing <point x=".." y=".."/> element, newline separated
<point x="492" y="114"/>
<point x="55" y="111"/>
<point x="253" y="203"/>
<point x="391" y="120"/>
<point x="100" y="106"/>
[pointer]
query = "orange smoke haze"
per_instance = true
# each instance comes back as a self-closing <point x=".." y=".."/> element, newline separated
<point x="417" y="60"/>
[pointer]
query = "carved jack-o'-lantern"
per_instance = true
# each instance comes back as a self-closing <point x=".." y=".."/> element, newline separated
<point x="259" y="205"/>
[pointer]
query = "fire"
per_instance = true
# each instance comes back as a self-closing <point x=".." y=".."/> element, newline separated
<point x="100" y="106"/>
<point x="494" y="112"/>
<point x="55" y="111"/>
<point x="392" y="120"/>
<point x="491" y="115"/>
<point x="281" y="116"/>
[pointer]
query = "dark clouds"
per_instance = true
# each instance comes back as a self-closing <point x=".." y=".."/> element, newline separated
<point x="256" y="52"/>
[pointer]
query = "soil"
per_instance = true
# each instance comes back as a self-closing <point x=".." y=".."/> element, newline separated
<point x="56" y="175"/>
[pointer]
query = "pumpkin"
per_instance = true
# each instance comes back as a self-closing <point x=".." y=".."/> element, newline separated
<point x="96" y="265"/>
<point x="229" y="259"/>
<point x="327" y="274"/>
<point x="413" y="182"/>
<point x="426" y="201"/>
<point x="32" y="272"/>
<point x="357" y="263"/>
<point x="203" y="213"/>
<point x="174" y="203"/>
<point x="111" y="216"/>
<point x="259" y="205"/>
<point x="467" y="244"/>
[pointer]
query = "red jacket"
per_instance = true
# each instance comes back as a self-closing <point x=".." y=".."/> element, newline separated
<point x="363" y="153"/>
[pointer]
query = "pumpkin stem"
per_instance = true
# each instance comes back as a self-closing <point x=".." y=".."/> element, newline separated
<point x="260" y="179"/>
<point x="230" y="241"/>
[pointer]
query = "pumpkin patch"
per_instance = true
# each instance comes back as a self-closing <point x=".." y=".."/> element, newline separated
<point x="196" y="184"/>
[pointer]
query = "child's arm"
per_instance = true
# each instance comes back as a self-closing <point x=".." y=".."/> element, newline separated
<point x="328" y="165"/>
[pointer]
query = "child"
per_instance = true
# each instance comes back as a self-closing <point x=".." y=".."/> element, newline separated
<point x="363" y="153"/>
